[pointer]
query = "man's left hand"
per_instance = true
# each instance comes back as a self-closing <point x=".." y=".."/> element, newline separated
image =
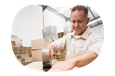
<point x="63" y="66"/>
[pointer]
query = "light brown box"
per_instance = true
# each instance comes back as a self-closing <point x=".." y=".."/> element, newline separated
<point x="29" y="59"/>
<point x="30" y="55"/>
<point x="65" y="33"/>
<point x="18" y="56"/>
<point x="13" y="43"/>
<point x="23" y="60"/>
<point x="15" y="50"/>
<point x="37" y="55"/>
<point x="40" y="43"/>
<point x="16" y="43"/>
<point x="60" y="34"/>
<point x="22" y="50"/>
<point x="23" y="56"/>
<point x="29" y="50"/>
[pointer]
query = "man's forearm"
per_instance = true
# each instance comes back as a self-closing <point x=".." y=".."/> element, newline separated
<point x="84" y="59"/>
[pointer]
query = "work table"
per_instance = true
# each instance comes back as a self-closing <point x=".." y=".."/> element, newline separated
<point x="38" y="66"/>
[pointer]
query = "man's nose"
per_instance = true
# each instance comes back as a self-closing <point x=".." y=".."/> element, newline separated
<point x="76" y="24"/>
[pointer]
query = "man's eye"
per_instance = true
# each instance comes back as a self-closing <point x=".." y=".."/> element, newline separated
<point x="73" y="21"/>
<point x="80" y="21"/>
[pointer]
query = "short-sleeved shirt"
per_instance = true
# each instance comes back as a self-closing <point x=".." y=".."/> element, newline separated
<point x="75" y="45"/>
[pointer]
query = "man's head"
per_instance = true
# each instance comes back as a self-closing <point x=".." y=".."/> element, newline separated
<point x="79" y="19"/>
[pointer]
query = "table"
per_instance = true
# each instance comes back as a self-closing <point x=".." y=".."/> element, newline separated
<point x="38" y="65"/>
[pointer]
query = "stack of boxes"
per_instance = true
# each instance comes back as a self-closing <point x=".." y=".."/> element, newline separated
<point x="23" y="54"/>
<point x="60" y="34"/>
<point x="50" y="32"/>
<point x="37" y="46"/>
<point x="16" y="41"/>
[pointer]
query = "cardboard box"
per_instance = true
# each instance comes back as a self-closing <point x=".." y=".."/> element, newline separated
<point x="36" y="66"/>
<point x="29" y="50"/>
<point x="50" y="36"/>
<point x="23" y="60"/>
<point x="39" y="43"/>
<point x="50" y="29"/>
<point x="15" y="50"/>
<point x="23" y="56"/>
<point x="30" y="55"/>
<point x="18" y="56"/>
<point x="37" y="55"/>
<point x="65" y="33"/>
<point x="23" y="50"/>
<point x="13" y="43"/>
<point x="29" y="59"/>
<point x="16" y="43"/>
<point x="60" y="34"/>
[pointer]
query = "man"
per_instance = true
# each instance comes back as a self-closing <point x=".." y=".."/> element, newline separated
<point x="82" y="46"/>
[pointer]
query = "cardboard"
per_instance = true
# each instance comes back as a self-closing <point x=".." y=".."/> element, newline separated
<point x="29" y="59"/>
<point x="23" y="60"/>
<point x="15" y="50"/>
<point x="50" y="36"/>
<point x="16" y="43"/>
<point x="37" y="55"/>
<point x="13" y="43"/>
<point x="40" y="43"/>
<point x="35" y="65"/>
<point x="50" y="29"/>
<point x="29" y="50"/>
<point x="60" y="34"/>
<point x="23" y="50"/>
<point x="24" y="56"/>
<point x="18" y="56"/>
<point x="39" y="65"/>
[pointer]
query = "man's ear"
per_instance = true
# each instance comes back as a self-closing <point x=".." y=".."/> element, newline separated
<point x="88" y="20"/>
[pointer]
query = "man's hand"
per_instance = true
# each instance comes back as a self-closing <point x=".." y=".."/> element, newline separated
<point x="63" y="66"/>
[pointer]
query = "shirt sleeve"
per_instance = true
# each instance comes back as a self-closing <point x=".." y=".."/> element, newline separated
<point x="96" y="45"/>
<point x="60" y="44"/>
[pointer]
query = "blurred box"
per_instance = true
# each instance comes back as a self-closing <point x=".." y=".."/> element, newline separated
<point x="50" y="36"/>
<point x="39" y="43"/>
<point x="30" y="55"/>
<point x="18" y="56"/>
<point x="29" y="50"/>
<point x="23" y="60"/>
<point x="15" y="50"/>
<point x="60" y="34"/>
<point x="50" y="32"/>
<point x="29" y="59"/>
<point x="65" y="33"/>
<point x="37" y="55"/>
<point x="23" y="50"/>
<point x="68" y="29"/>
<point x="50" y="29"/>
<point x="16" y="43"/>
<point x="13" y="43"/>
<point x="23" y="56"/>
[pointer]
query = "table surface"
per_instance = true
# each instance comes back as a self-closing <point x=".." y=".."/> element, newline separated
<point x="38" y="65"/>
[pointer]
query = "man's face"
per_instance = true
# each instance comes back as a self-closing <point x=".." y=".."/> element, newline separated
<point x="79" y="22"/>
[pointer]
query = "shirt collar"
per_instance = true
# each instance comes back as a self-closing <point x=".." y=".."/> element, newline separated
<point x="85" y="34"/>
